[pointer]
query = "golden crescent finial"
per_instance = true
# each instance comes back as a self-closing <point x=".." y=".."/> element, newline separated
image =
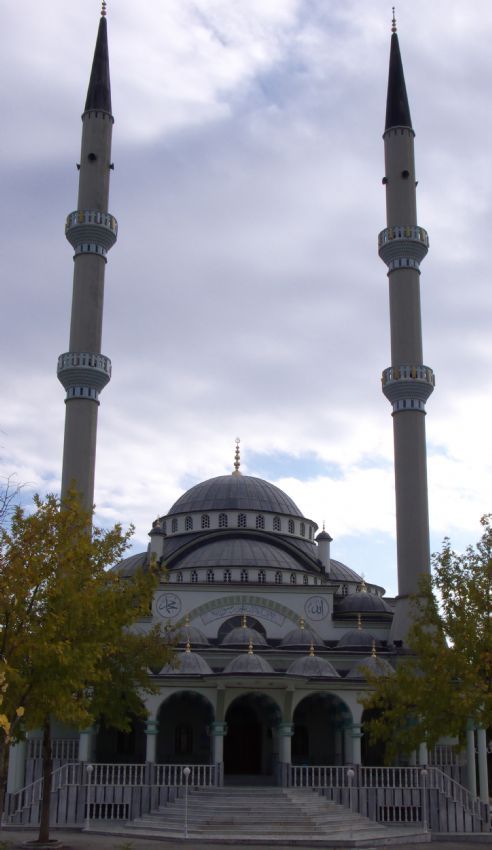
<point x="393" y="21"/>
<point x="301" y="623"/>
<point x="244" y="622"/>
<point x="250" y="647"/>
<point x="188" y="646"/>
<point x="237" y="458"/>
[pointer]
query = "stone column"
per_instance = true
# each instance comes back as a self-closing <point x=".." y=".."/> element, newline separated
<point x="217" y="732"/>
<point x="357" y="733"/>
<point x="16" y="778"/>
<point x="423" y="754"/>
<point x="285" y="732"/>
<point x="470" y="759"/>
<point x="87" y="740"/>
<point x="483" y="773"/>
<point x="151" y="732"/>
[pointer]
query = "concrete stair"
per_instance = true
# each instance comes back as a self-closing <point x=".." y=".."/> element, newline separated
<point x="270" y="815"/>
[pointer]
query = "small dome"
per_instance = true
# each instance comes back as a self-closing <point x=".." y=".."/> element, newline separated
<point x="235" y="492"/>
<point x="301" y="637"/>
<point x="312" y="666"/>
<point x="372" y="664"/>
<point x="192" y="635"/>
<point x="248" y="662"/>
<point x="357" y="639"/>
<point x="243" y="636"/>
<point x="362" y="603"/>
<point x="188" y="663"/>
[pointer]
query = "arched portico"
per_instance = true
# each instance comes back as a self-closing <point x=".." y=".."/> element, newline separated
<point x="184" y="721"/>
<point x="321" y="722"/>
<point x="251" y="745"/>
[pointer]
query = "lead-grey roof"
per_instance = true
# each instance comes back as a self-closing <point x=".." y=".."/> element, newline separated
<point x="234" y="552"/>
<point x="312" y="666"/>
<point x="248" y="663"/>
<point x="360" y="603"/>
<point x="235" y="492"/>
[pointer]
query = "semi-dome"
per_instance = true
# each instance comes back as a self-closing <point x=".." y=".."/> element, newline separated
<point x="312" y="666"/>
<point x="248" y="662"/>
<point x="301" y="637"/>
<point x="362" y="603"/>
<point x="243" y="636"/>
<point x="373" y="665"/>
<point x="188" y="663"/>
<point x="190" y="634"/>
<point x="235" y="492"/>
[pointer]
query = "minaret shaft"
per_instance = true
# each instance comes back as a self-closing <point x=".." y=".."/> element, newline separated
<point x="91" y="230"/>
<point x="407" y="383"/>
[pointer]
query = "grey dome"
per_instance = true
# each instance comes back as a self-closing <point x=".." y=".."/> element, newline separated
<point x="193" y="635"/>
<point x="372" y="664"/>
<point x="242" y="635"/>
<point x="341" y="572"/>
<point x="187" y="664"/>
<point x="238" y="553"/>
<point x="248" y="662"/>
<point x="235" y="492"/>
<point x="357" y="639"/>
<point x="312" y="666"/>
<point x="362" y="603"/>
<point x="129" y="566"/>
<point x="302" y="637"/>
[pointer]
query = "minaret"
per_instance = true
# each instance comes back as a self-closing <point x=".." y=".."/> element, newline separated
<point x="91" y="231"/>
<point x="407" y="383"/>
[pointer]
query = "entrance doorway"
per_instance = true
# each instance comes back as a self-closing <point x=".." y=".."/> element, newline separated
<point x="250" y="746"/>
<point x="320" y="721"/>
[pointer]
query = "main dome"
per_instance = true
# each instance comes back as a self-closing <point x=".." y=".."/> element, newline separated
<point x="235" y="492"/>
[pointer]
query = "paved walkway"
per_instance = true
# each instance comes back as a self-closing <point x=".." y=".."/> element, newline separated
<point x="72" y="840"/>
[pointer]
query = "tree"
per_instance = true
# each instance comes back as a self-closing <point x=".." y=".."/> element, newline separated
<point x="65" y="625"/>
<point x="446" y="680"/>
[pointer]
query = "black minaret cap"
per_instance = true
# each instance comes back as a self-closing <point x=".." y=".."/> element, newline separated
<point x="99" y="91"/>
<point x="397" y="108"/>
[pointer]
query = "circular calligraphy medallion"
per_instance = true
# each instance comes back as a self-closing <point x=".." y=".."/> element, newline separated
<point x="167" y="605"/>
<point x="316" y="608"/>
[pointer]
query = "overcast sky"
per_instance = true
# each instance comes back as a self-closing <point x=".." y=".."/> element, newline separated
<point x="245" y="296"/>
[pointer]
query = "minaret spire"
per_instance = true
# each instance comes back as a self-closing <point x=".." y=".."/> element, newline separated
<point x="407" y="383"/>
<point x="92" y="231"/>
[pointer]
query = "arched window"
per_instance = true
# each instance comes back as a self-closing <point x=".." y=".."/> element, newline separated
<point x="174" y="525"/>
<point x="260" y="521"/>
<point x="227" y="576"/>
<point x="179" y="578"/>
<point x="164" y="526"/>
<point x="291" y="526"/>
<point x="241" y="520"/>
<point x="210" y="576"/>
<point x="344" y="590"/>
<point x="188" y="523"/>
<point x="278" y="578"/>
<point x="310" y="532"/>
<point x="277" y="526"/>
<point x="303" y="530"/>
<point x="222" y="520"/>
<point x="261" y="577"/>
<point x="194" y="577"/>
<point x="244" y="576"/>
<point x="305" y="579"/>
<point x="205" y="521"/>
<point x="293" y="578"/>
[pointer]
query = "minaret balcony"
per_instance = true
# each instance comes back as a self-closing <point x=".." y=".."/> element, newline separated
<point x="83" y="375"/>
<point x="91" y="231"/>
<point x="408" y="387"/>
<point x="403" y="246"/>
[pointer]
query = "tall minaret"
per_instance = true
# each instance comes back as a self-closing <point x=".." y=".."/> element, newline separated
<point x="91" y="231"/>
<point x="407" y="383"/>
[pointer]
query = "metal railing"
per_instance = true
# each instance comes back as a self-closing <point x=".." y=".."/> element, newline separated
<point x="201" y="775"/>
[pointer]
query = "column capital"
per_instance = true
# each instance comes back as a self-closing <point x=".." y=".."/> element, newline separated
<point x="218" y="729"/>
<point x="151" y="727"/>
<point x="285" y="730"/>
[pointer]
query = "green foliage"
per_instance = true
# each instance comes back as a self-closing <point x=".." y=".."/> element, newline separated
<point x="446" y="680"/>
<point x="65" y="619"/>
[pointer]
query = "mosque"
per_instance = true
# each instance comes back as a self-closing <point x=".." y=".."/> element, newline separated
<point x="275" y="634"/>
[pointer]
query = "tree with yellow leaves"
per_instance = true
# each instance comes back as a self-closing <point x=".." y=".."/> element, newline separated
<point x="65" y="626"/>
<point x="445" y="680"/>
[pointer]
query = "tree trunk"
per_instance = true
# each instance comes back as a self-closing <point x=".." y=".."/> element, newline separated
<point x="44" y="824"/>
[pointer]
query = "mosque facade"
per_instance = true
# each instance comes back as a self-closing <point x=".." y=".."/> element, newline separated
<point x="274" y="634"/>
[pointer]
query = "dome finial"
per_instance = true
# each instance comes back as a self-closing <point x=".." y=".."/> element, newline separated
<point x="373" y="650"/>
<point x="188" y="647"/>
<point x="237" y="458"/>
<point x="311" y="650"/>
<point x="250" y="647"/>
<point x="244" y="622"/>
<point x="103" y="9"/>
<point x="363" y="586"/>
<point x="301" y="623"/>
<point x="359" y="622"/>
<point x="393" y="22"/>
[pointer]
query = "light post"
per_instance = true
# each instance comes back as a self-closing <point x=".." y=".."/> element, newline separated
<point x="89" y="768"/>
<point x="423" y="776"/>
<point x="350" y="777"/>
<point x="186" y="774"/>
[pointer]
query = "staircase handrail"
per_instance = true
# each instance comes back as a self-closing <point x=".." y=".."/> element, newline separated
<point x="66" y="774"/>
<point x="451" y="789"/>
